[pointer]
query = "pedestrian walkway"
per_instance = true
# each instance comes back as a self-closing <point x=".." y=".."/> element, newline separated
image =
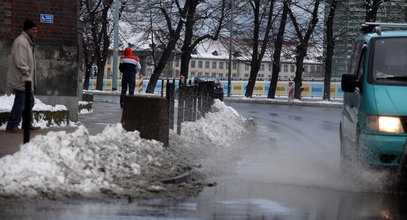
<point x="103" y="113"/>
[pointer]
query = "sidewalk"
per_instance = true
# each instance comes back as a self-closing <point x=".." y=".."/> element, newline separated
<point x="103" y="113"/>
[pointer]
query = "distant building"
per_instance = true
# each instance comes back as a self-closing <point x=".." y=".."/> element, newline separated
<point x="212" y="59"/>
<point x="349" y="17"/>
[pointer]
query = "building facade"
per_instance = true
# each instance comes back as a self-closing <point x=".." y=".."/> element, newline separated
<point x="349" y="17"/>
<point x="57" y="50"/>
<point x="214" y="62"/>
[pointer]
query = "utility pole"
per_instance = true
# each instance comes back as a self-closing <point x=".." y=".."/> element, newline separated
<point x="115" y="44"/>
<point x="230" y="46"/>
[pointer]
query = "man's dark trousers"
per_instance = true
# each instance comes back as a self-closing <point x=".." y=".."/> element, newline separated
<point x="18" y="109"/>
<point x="130" y="81"/>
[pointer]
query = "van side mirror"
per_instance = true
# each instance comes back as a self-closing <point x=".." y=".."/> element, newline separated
<point x="349" y="82"/>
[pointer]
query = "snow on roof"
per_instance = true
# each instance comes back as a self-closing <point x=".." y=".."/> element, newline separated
<point x="219" y="49"/>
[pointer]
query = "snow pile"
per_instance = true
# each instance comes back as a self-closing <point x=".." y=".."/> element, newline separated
<point x="114" y="162"/>
<point x="6" y="103"/>
<point x="212" y="140"/>
<point x="61" y="164"/>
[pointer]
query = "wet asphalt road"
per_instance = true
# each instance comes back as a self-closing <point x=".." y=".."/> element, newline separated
<point x="290" y="170"/>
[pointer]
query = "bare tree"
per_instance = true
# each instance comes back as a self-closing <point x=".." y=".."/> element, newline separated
<point x="206" y="16"/>
<point x="96" y="36"/>
<point x="372" y="6"/>
<point x="257" y="56"/>
<point x="173" y="37"/>
<point x="302" y="47"/>
<point x="277" y="52"/>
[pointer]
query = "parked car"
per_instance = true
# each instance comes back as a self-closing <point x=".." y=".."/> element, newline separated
<point x="373" y="127"/>
<point x="218" y="90"/>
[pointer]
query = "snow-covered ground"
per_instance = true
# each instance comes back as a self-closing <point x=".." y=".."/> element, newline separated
<point x="119" y="163"/>
<point x="6" y="103"/>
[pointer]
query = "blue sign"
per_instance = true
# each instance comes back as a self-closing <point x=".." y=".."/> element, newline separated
<point x="45" y="18"/>
<point x="317" y="89"/>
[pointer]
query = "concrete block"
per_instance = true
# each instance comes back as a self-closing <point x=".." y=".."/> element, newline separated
<point x="148" y="115"/>
<point x="52" y="118"/>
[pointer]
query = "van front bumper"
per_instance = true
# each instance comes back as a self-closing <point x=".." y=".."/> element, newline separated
<point x="381" y="150"/>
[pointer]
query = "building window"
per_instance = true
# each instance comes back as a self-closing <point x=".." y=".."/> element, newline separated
<point x="221" y="65"/>
<point x="234" y="75"/>
<point x="262" y="67"/>
<point x="213" y="64"/>
<point x="207" y="63"/>
<point x="220" y="75"/>
<point x="177" y="63"/>
<point x="206" y="74"/>
<point x="109" y="72"/>
<point x="199" y="74"/>
<point x="285" y="68"/>
<point x="247" y="66"/>
<point x="234" y="65"/>
<point x="312" y="68"/>
<point x="292" y="68"/>
<point x="270" y="67"/>
<point x="246" y="75"/>
<point x="192" y="73"/>
<point x="213" y="74"/>
<point x="319" y="69"/>
<point x="200" y="64"/>
<point x="193" y="64"/>
<point x="306" y="69"/>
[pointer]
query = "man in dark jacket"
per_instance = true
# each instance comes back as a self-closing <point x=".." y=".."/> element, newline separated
<point x="129" y="66"/>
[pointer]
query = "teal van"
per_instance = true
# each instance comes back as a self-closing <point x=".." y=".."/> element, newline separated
<point x="373" y="127"/>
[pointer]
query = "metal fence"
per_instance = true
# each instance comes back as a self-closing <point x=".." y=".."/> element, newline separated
<point x="194" y="101"/>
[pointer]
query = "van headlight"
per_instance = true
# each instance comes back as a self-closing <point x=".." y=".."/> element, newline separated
<point x="385" y="124"/>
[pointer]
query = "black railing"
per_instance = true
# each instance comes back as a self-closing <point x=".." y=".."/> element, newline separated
<point x="194" y="101"/>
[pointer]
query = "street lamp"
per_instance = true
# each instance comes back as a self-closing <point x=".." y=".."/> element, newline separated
<point x="115" y="44"/>
<point x="230" y="47"/>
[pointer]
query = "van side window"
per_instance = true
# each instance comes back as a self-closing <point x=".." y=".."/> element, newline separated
<point x="357" y="48"/>
<point x="361" y="65"/>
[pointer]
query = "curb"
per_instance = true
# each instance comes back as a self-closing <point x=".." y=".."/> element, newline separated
<point x="277" y="102"/>
<point x="178" y="179"/>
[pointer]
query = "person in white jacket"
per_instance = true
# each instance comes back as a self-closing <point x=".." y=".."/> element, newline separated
<point x="21" y="69"/>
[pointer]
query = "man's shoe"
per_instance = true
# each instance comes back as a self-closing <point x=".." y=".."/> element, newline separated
<point x="34" y="128"/>
<point x="14" y="130"/>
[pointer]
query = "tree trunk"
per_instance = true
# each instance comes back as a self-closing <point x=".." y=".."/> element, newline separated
<point x="329" y="50"/>
<point x="299" y="64"/>
<point x="164" y="59"/>
<point x="371" y="9"/>
<point x="256" y="56"/>
<point x="301" y="49"/>
<point x="186" y="50"/>
<point x="277" y="54"/>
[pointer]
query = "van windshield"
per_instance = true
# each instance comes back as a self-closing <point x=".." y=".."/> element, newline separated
<point x="390" y="59"/>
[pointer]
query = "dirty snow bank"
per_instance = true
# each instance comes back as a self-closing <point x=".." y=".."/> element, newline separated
<point x="212" y="141"/>
<point x="60" y="164"/>
<point x="115" y="162"/>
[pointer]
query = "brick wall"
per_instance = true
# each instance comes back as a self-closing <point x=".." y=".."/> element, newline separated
<point x="57" y="50"/>
<point x="63" y="30"/>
